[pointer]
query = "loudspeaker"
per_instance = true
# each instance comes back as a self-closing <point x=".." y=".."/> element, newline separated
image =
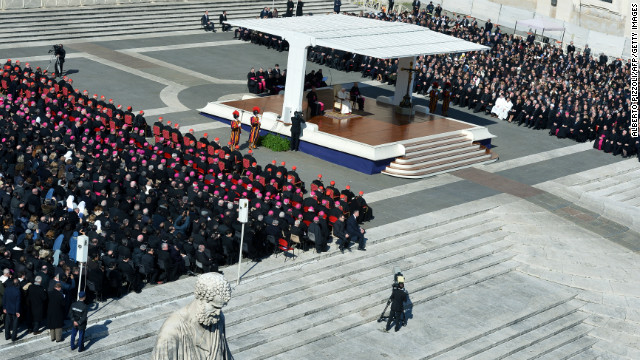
<point x="243" y="210"/>
<point x="82" y="252"/>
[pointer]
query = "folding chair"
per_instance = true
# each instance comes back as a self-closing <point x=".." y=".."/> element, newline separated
<point x="295" y="239"/>
<point x="284" y="247"/>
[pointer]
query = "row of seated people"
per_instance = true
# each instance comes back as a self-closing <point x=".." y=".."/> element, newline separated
<point x="271" y="81"/>
<point x="264" y="39"/>
<point x="173" y="203"/>
<point x="383" y="70"/>
<point x="314" y="78"/>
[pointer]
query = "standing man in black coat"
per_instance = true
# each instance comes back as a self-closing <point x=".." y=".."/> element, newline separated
<point x="299" y="8"/>
<point x="36" y="300"/>
<point x="296" y="130"/>
<point x="78" y="315"/>
<point x="55" y="313"/>
<point x="397" y="299"/>
<point x="415" y="5"/>
<point x="336" y="6"/>
<point x="290" y="6"/>
<point x="11" y="308"/>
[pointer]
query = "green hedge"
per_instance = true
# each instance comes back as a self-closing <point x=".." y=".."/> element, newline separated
<point x="274" y="142"/>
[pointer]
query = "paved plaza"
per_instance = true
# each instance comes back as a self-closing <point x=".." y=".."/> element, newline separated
<point x="533" y="256"/>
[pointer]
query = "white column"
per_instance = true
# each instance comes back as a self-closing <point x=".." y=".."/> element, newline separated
<point x="403" y="78"/>
<point x="294" y="86"/>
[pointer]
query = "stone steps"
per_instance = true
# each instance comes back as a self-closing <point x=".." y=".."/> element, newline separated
<point x="613" y="191"/>
<point x="447" y="332"/>
<point x="145" y="20"/>
<point x="453" y="150"/>
<point x="606" y="182"/>
<point x="440" y="168"/>
<point x="363" y="287"/>
<point x="595" y="354"/>
<point x="317" y="328"/>
<point x="572" y="350"/>
<point x="454" y="227"/>
<point x="429" y="160"/>
<point x="566" y="335"/>
<point x="366" y="269"/>
<point x="515" y="335"/>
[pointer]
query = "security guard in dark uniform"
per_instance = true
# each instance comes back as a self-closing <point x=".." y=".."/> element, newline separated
<point x="397" y="299"/>
<point x="78" y="315"/>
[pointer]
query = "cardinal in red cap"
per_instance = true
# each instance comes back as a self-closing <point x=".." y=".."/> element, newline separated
<point x="255" y="128"/>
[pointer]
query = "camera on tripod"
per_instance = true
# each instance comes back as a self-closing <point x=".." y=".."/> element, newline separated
<point x="54" y="49"/>
<point x="398" y="278"/>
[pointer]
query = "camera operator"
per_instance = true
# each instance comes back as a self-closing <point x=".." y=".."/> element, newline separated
<point x="296" y="130"/>
<point x="397" y="299"/>
<point x="60" y="54"/>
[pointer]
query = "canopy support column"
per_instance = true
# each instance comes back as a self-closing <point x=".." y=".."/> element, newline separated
<point x="294" y="86"/>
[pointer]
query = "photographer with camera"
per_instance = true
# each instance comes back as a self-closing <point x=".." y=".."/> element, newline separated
<point x="296" y="130"/>
<point x="397" y="300"/>
<point x="59" y="52"/>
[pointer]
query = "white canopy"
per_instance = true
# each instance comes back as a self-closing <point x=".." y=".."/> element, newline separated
<point x="369" y="37"/>
<point x="542" y="24"/>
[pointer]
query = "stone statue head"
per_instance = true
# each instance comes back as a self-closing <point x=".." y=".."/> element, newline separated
<point x="212" y="293"/>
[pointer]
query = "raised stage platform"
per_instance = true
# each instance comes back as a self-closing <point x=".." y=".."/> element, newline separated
<point x="374" y="140"/>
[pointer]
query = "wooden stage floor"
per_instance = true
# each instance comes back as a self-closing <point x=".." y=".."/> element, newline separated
<point x="378" y="124"/>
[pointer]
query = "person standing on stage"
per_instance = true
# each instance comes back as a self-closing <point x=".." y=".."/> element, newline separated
<point x="433" y="98"/>
<point x="296" y="130"/>
<point x="299" y="8"/>
<point x="336" y="6"/>
<point x="255" y="128"/>
<point x="313" y="104"/>
<point x="236" y="129"/>
<point x="446" y="99"/>
<point x="356" y="96"/>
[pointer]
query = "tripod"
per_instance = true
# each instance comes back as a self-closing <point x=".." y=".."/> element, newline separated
<point x="56" y="66"/>
<point x="383" y="317"/>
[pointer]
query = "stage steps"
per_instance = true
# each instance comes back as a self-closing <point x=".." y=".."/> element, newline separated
<point x="108" y="22"/>
<point x="437" y="155"/>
